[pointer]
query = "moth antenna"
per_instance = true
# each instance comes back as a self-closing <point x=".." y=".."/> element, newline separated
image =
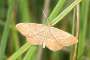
<point x="45" y="16"/>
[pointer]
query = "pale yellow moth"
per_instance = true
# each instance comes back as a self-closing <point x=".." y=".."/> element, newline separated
<point x="39" y="34"/>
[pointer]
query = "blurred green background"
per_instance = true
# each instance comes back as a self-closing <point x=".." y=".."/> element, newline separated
<point x="63" y="14"/>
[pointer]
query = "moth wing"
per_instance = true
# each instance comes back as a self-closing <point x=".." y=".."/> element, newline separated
<point x="63" y="37"/>
<point x="30" y="30"/>
<point x="23" y="28"/>
<point x="34" y="41"/>
<point x="53" y="45"/>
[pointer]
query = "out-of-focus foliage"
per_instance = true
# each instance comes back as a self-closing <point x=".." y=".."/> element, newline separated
<point x="59" y="14"/>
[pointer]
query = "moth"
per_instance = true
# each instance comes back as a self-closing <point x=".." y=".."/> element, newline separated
<point x="39" y="34"/>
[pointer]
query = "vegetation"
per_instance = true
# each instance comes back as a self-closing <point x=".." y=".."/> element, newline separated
<point x="69" y="15"/>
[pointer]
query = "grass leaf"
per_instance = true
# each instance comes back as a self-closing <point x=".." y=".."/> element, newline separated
<point x="30" y="53"/>
<point x="83" y="26"/>
<point x="57" y="9"/>
<point x="20" y="51"/>
<point x="6" y="29"/>
<point x="64" y="13"/>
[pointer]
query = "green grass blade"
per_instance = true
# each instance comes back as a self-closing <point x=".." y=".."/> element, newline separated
<point x="64" y="13"/>
<point x="73" y="30"/>
<point x="57" y="9"/>
<point x="15" y="42"/>
<point x="6" y="29"/>
<point x="74" y="56"/>
<point x="31" y="53"/>
<point x="83" y="26"/>
<point x="20" y="51"/>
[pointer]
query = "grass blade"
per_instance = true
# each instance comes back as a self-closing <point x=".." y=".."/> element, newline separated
<point x="83" y="26"/>
<point x="64" y="13"/>
<point x="30" y="54"/>
<point x="57" y="9"/>
<point x="15" y="37"/>
<point x="74" y="57"/>
<point x="20" y="51"/>
<point x="15" y="42"/>
<point x="73" y="30"/>
<point x="6" y="29"/>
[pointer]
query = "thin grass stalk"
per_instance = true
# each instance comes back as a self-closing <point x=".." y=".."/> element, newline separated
<point x="6" y="29"/>
<point x="73" y="22"/>
<point x="77" y="32"/>
<point x="73" y="30"/>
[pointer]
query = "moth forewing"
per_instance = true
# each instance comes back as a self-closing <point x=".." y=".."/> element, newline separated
<point x="63" y="37"/>
<point x="51" y="37"/>
<point x="23" y="28"/>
